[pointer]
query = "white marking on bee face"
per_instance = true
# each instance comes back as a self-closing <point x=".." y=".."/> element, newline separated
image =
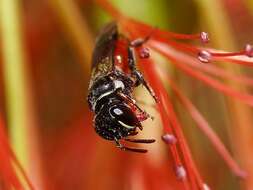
<point x="118" y="84"/>
<point x="117" y="111"/>
<point x="118" y="58"/>
<point x="100" y="97"/>
<point x="126" y="126"/>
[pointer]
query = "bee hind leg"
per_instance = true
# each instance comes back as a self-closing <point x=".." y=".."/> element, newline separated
<point x="125" y="148"/>
<point x="146" y="141"/>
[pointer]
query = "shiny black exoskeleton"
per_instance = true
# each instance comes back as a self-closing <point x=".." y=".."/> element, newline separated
<point x="117" y="116"/>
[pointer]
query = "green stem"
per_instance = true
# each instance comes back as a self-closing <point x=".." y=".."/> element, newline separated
<point x="20" y="113"/>
<point x="14" y="76"/>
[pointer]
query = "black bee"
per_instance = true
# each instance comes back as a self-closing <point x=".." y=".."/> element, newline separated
<point x="113" y="77"/>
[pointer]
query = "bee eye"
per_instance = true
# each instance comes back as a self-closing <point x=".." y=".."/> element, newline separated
<point x="117" y="112"/>
<point x="124" y="115"/>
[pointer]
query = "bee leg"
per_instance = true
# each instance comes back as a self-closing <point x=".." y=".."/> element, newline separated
<point x="131" y="59"/>
<point x="147" y="141"/>
<point x="143" y="115"/>
<point x="140" y="41"/>
<point x="122" y="147"/>
<point x="139" y="79"/>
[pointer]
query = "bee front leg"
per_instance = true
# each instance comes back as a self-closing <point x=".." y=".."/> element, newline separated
<point x="137" y="75"/>
<point x="140" y="41"/>
<point x="140" y="80"/>
<point x="131" y="102"/>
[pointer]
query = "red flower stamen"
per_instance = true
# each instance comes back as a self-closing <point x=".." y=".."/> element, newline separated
<point x="167" y="37"/>
<point x="8" y="159"/>
<point x="178" y="59"/>
<point x="249" y="50"/>
<point x="204" y="37"/>
<point x="181" y="173"/>
<point x="144" y="53"/>
<point x="220" y="72"/>
<point x="169" y="139"/>
<point x="205" y="187"/>
<point x="173" y="127"/>
<point x="203" y="125"/>
<point x="185" y="57"/>
<point x="241" y="60"/>
<point x="204" y="56"/>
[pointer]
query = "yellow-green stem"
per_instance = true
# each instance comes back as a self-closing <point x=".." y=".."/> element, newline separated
<point x="14" y="76"/>
<point x="21" y="118"/>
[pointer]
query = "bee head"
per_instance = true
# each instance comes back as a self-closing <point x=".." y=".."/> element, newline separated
<point x="115" y="120"/>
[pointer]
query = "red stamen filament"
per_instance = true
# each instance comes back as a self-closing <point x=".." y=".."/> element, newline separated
<point x="203" y="125"/>
<point x="161" y="41"/>
<point x="12" y="158"/>
<point x="140" y="29"/>
<point x="248" y="51"/>
<point x="179" y="36"/>
<point x="203" y="36"/>
<point x="229" y="54"/>
<point x="194" y="177"/>
<point x="220" y="72"/>
<point x="177" y="59"/>
<point x="137" y="30"/>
